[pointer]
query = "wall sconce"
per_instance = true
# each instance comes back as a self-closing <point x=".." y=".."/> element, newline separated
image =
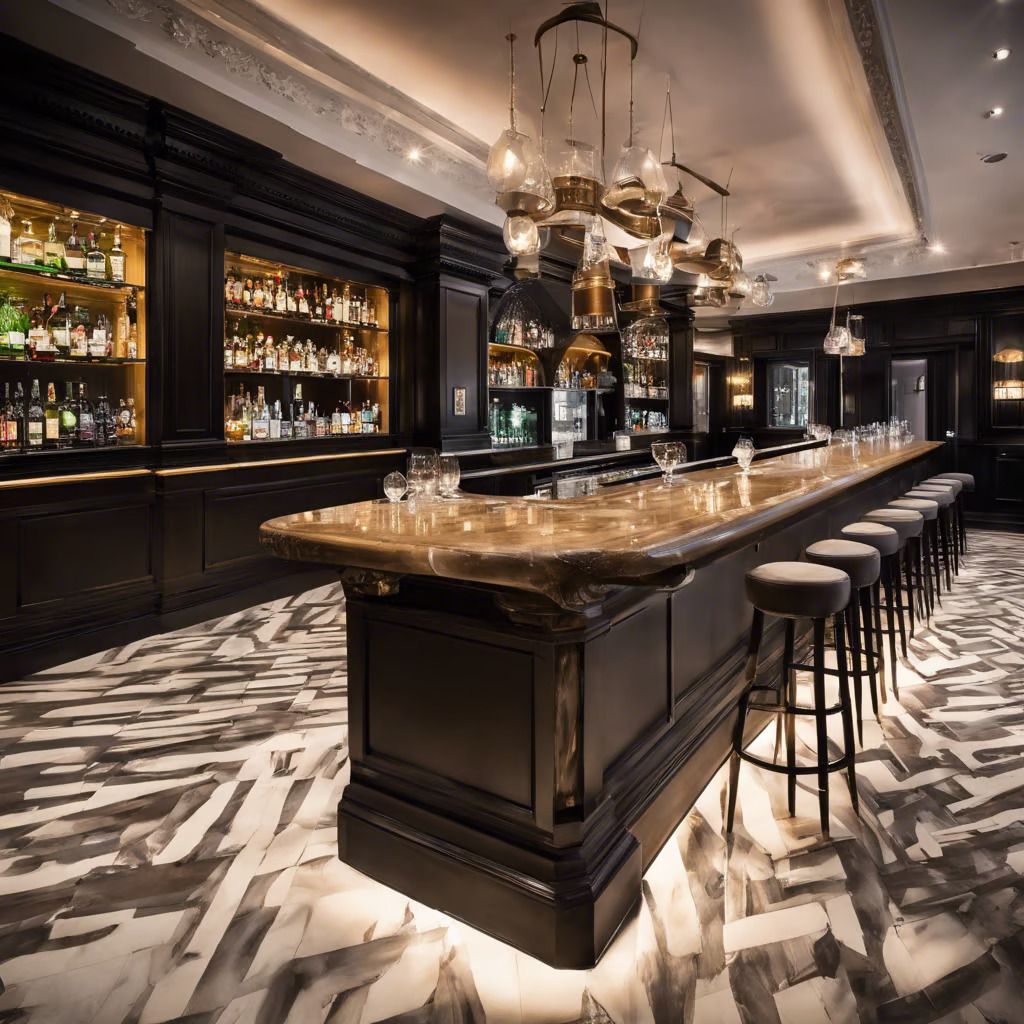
<point x="1011" y="387"/>
<point x="745" y="401"/>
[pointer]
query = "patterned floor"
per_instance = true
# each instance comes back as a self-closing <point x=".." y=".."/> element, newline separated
<point x="167" y="853"/>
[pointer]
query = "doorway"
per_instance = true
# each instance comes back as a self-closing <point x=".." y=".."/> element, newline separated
<point x="909" y="394"/>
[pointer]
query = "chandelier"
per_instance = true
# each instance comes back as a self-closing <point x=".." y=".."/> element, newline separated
<point x="555" y="188"/>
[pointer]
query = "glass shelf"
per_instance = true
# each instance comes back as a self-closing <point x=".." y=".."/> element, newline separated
<point x="299" y="374"/>
<point x="34" y="272"/>
<point x="300" y="321"/>
<point x="72" y="361"/>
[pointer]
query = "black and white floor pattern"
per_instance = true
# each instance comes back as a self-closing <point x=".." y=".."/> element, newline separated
<point x="167" y="852"/>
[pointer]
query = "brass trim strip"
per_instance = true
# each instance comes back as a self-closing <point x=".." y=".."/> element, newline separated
<point x="186" y="470"/>
<point x="73" y="478"/>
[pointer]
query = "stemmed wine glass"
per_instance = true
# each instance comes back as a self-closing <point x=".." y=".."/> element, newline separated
<point x="422" y="474"/>
<point x="744" y="454"/>
<point x="668" y="455"/>
<point x="449" y="475"/>
<point x="395" y="486"/>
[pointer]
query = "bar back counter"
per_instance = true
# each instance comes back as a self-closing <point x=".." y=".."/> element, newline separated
<point x="539" y="689"/>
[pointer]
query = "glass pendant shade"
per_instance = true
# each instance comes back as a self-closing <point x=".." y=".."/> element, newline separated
<point x="638" y="183"/>
<point x="508" y="161"/>
<point x="576" y="179"/>
<point x="855" y="323"/>
<point x="521" y="236"/>
<point x="593" y="299"/>
<point x="651" y="262"/>
<point x="761" y="293"/>
<point x="740" y="286"/>
<point x="837" y="340"/>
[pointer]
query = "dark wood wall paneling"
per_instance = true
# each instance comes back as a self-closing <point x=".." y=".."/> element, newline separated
<point x="957" y="335"/>
<point x="93" y="562"/>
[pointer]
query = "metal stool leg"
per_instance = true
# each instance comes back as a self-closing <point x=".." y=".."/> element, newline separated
<point x="932" y="529"/>
<point x="890" y="620"/>
<point x="908" y="574"/>
<point x="876" y="601"/>
<point x="922" y="592"/>
<point x="789" y="680"/>
<point x="754" y="646"/>
<point x="869" y="647"/>
<point x="821" y="722"/>
<point x="849" y="749"/>
<point x="852" y="617"/>
<point x="947" y="555"/>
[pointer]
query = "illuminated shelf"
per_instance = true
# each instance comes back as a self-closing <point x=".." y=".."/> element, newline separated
<point x="35" y="272"/>
<point x="300" y="321"/>
<point x="301" y="374"/>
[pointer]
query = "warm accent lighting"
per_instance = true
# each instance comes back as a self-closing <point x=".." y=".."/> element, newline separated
<point x="1001" y="54"/>
<point x="743" y="401"/>
<point x="937" y="247"/>
<point x="1008" y="390"/>
<point x="414" y="155"/>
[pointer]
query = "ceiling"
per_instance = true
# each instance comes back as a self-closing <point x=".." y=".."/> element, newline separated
<point x="846" y="125"/>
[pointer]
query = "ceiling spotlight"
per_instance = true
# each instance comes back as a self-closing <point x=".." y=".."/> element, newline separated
<point x="993" y="158"/>
<point x="937" y="247"/>
<point x="1001" y="54"/>
<point x="824" y="274"/>
<point x="994" y="112"/>
<point x="415" y="155"/>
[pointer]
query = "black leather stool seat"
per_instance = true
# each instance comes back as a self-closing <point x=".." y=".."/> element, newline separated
<point x="884" y="539"/>
<point x="860" y="562"/>
<point x="941" y="497"/>
<point x="928" y="508"/>
<point x="904" y="521"/>
<point x="965" y="478"/>
<point x="957" y="485"/>
<point x="798" y="589"/>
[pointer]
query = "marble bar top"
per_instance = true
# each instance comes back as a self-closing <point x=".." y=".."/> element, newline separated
<point x="641" y="534"/>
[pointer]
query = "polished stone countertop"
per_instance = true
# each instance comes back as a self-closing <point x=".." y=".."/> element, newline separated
<point x="644" y="533"/>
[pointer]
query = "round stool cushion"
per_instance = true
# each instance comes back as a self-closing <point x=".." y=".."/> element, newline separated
<point x="884" y="539"/>
<point x="965" y="478"/>
<point x="941" y="497"/>
<point x="950" y="482"/>
<point x="929" y="509"/>
<point x="904" y="521"/>
<point x="798" y="590"/>
<point x="861" y="562"/>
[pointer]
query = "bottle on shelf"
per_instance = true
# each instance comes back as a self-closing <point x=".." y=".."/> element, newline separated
<point x="106" y="425"/>
<point x="86" y="418"/>
<point x="51" y="417"/>
<point x="118" y="259"/>
<point x="6" y="220"/>
<point x="74" y="254"/>
<point x="80" y="330"/>
<point x="35" y="419"/>
<point x="260" y="417"/>
<point x="60" y="329"/>
<point x="53" y="249"/>
<point x="67" y="419"/>
<point x="28" y="247"/>
<point x="275" y="421"/>
<point x="39" y="339"/>
<point x="10" y="435"/>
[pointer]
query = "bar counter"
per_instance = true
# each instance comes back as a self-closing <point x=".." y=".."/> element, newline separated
<point x="539" y="689"/>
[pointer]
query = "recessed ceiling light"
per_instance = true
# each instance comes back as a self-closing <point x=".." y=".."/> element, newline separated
<point x="993" y="158"/>
<point x="937" y="247"/>
<point x="824" y="274"/>
<point x="415" y="155"/>
<point x="1001" y="54"/>
<point x="994" y="112"/>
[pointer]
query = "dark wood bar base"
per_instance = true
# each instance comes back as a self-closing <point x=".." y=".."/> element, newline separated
<point x="520" y="776"/>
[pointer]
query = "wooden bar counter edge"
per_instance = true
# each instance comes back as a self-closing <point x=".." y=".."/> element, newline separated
<point x="539" y="689"/>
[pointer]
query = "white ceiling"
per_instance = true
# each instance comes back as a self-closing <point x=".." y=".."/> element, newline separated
<point x="772" y="90"/>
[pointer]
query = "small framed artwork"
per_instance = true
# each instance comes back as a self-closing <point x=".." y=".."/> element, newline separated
<point x="458" y="401"/>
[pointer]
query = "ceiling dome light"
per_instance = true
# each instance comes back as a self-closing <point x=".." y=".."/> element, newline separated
<point x="937" y="247"/>
<point x="1002" y="53"/>
<point x="994" y="112"/>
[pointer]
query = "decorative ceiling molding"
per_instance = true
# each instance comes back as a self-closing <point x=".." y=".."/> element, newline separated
<point x="882" y="75"/>
<point x="376" y="119"/>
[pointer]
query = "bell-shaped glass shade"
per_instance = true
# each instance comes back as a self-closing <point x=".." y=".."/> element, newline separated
<point x="837" y="341"/>
<point x="647" y="338"/>
<point x="572" y="158"/>
<point x="761" y="293"/>
<point x="651" y="262"/>
<point x="638" y="182"/>
<point x="521" y="236"/>
<point x="740" y="286"/>
<point x="508" y="161"/>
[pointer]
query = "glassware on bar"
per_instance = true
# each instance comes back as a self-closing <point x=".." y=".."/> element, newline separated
<point x="743" y="452"/>
<point x="395" y="486"/>
<point x="449" y="473"/>
<point x="668" y="455"/>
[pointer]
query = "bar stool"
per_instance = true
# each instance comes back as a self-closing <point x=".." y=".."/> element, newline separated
<point x="907" y="524"/>
<point x="956" y="513"/>
<point x="794" y="591"/>
<point x="968" y="481"/>
<point x="863" y="564"/>
<point x="943" y="496"/>
<point x="917" y="556"/>
<point x="886" y="541"/>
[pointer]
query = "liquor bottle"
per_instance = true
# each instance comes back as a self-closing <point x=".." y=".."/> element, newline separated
<point x="229" y="287"/>
<point x="269" y="355"/>
<point x="53" y="249"/>
<point x="51" y="417"/>
<point x="7" y="435"/>
<point x="329" y="302"/>
<point x="247" y="293"/>
<point x="261" y="418"/>
<point x="60" y="328"/>
<point x="67" y="419"/>
<point x="29" y="247"/>
<point x="106" y="429"/>
<point x="35" y="419"/>
<point x="302" y="302"/>
<point x="132" y="431"/>
<point x="337" y="306"/>
<point x="101" y="337"/>
<point x="258" y="294"/>
<point x="334" y="363"/>
<point x="118" y="258"/>
<point x="286" y="427"/>
<point x="74" y="254"/>
<point x="291" y="302"/>
<point x="86" y="418"/>
<point x="6" y="219"/>
<point x="95" y="260"/>
<point x="320" y="420"/>
<point x="336" y="421"/>
<point x="281" y="296"/>
<point x="275" y="421"/>
<point x="80" y="333"/>
<point x="236" y="290"/>
<point x="318" y="304"/>
<point x="298" y="421"/>
<point x="230" y="344"/>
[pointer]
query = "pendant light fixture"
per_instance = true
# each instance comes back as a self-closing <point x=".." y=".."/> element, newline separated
<point x="761" y="293"/>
